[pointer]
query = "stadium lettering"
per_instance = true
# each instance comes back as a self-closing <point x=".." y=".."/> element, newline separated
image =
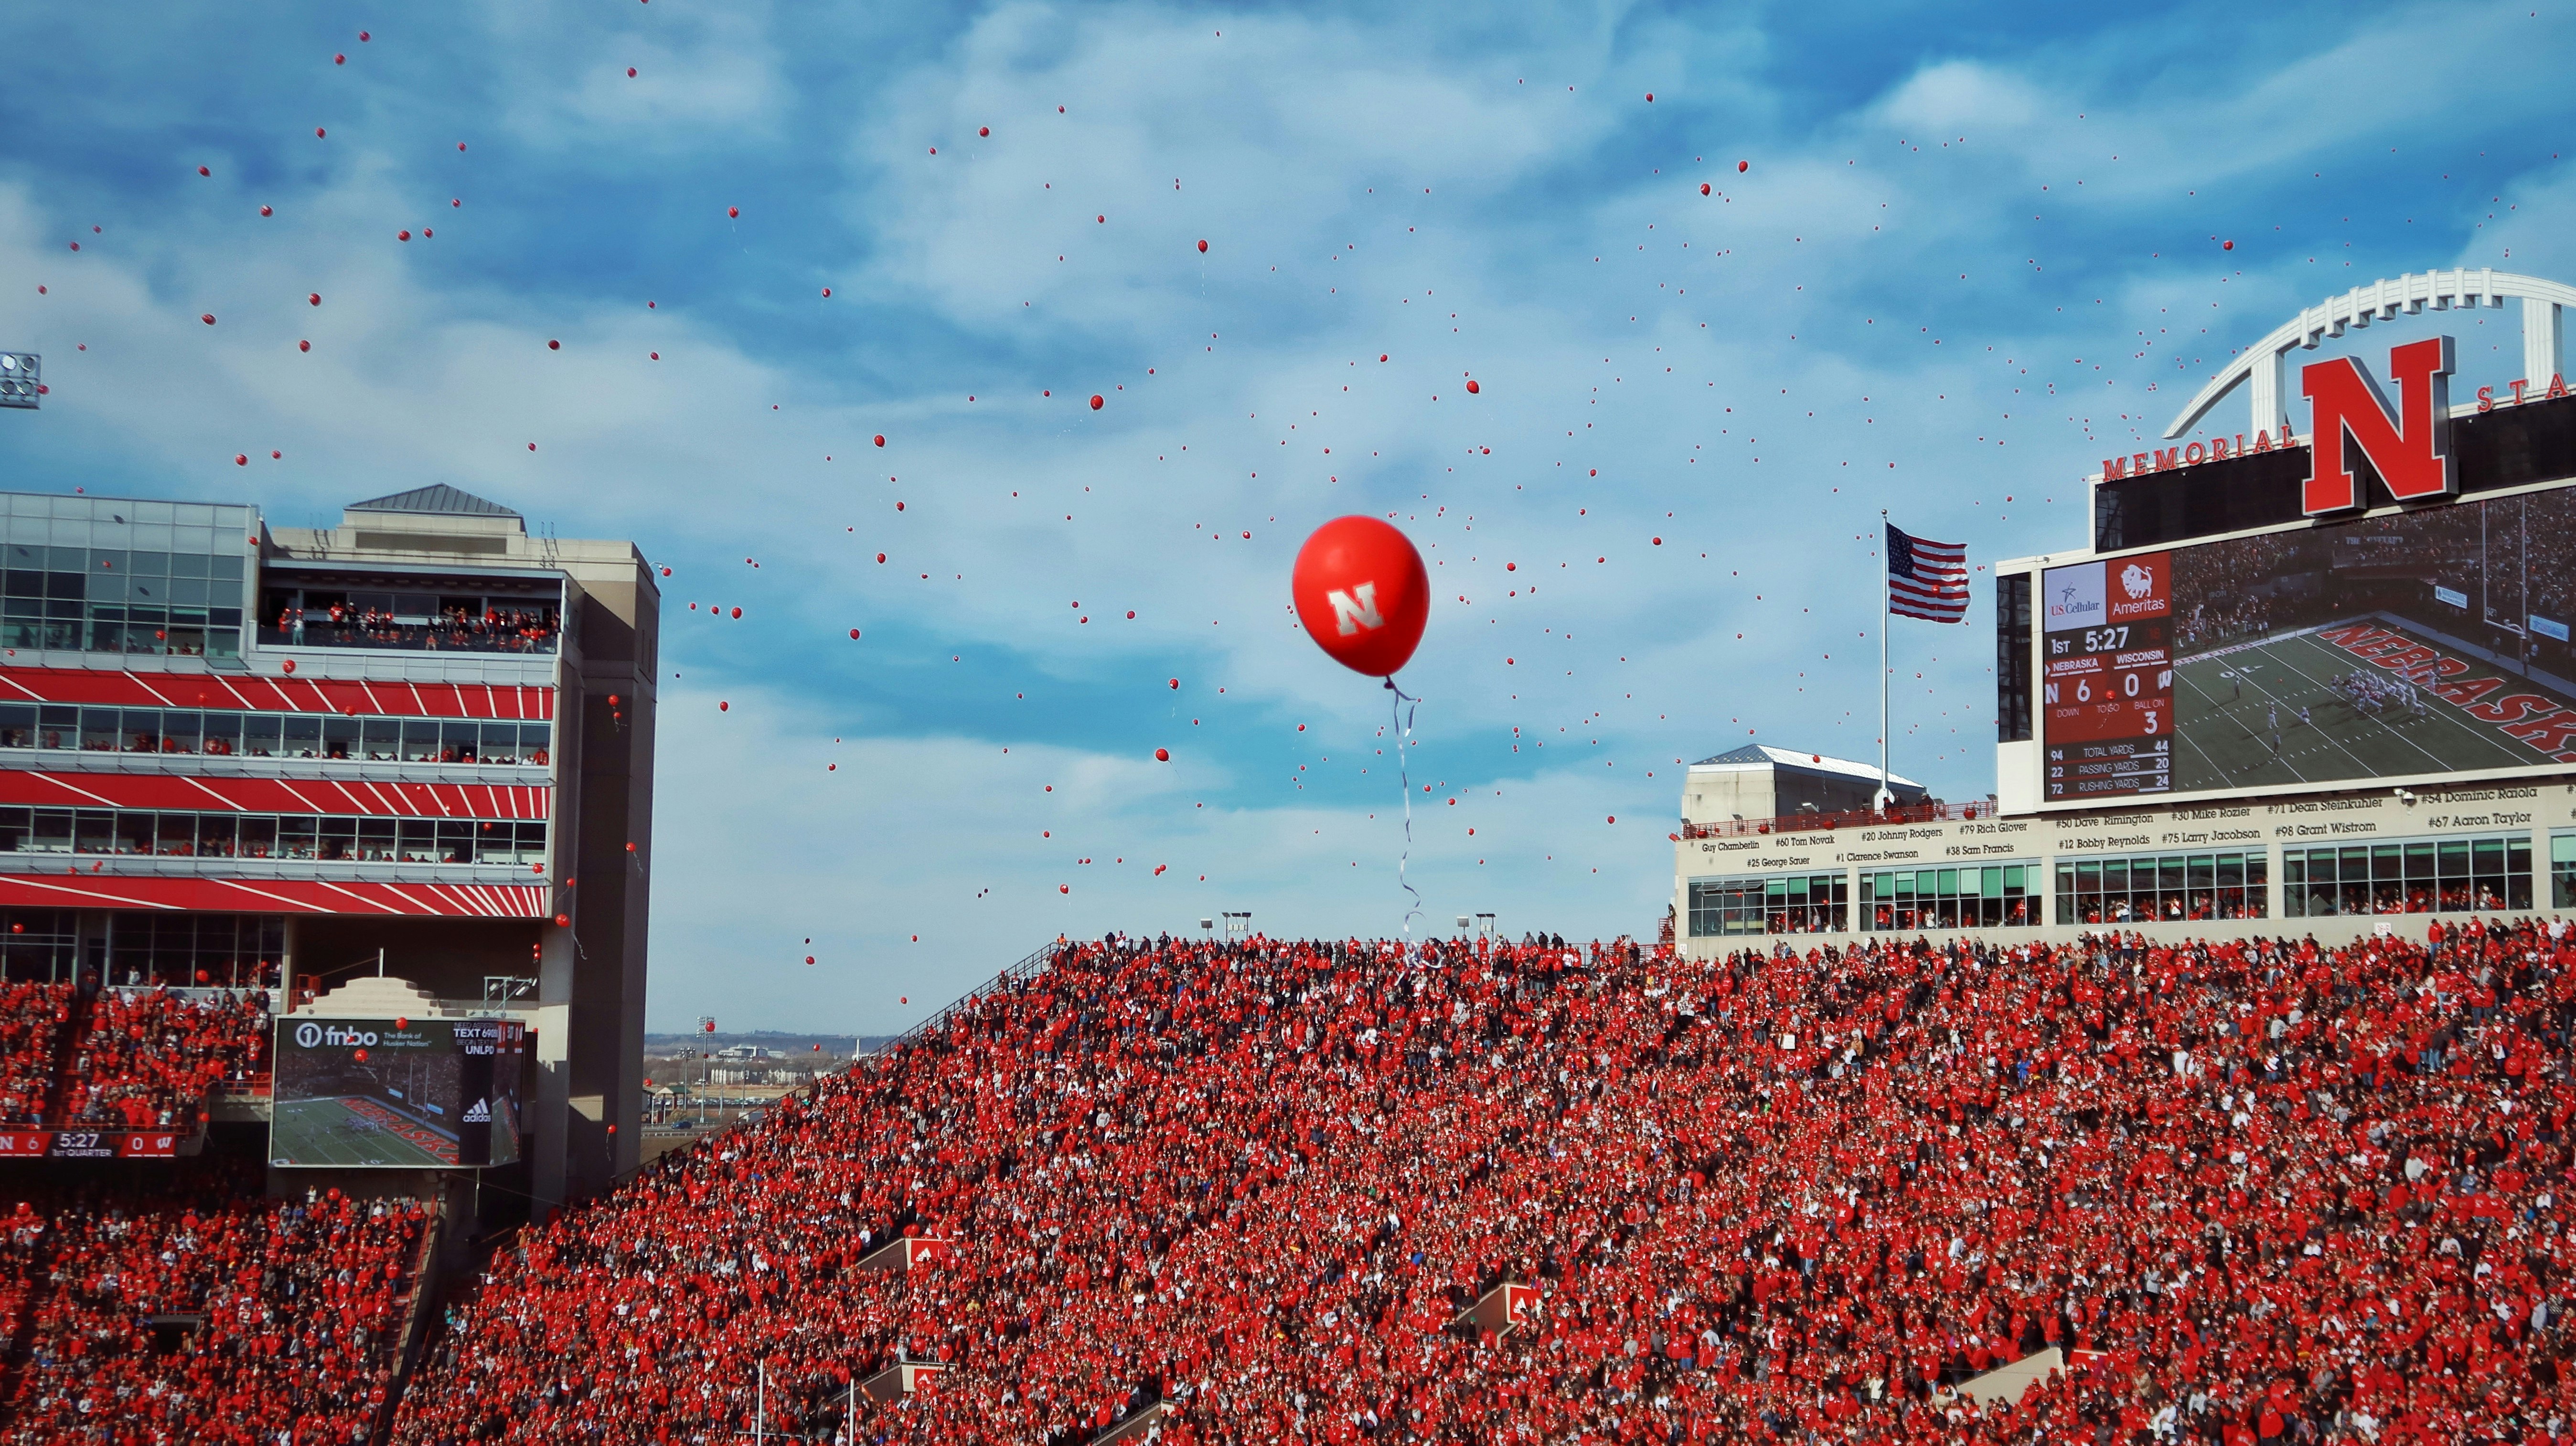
<point x="2219" y="449"/>
<point x="2351" y="633"/>
<point x="2467" y="690"/>
<point x="2405" y="657"/>
<point x="2557" y="388"/>
<point x="2384" y="643"/>
<point x="2548" y="733"/>
<point x="2511" y="707"/>
<point x="2411" y="452"/>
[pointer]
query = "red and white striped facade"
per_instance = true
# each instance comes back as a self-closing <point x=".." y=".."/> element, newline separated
<point x="273" y="693"/>
<point x="173" y="782"/>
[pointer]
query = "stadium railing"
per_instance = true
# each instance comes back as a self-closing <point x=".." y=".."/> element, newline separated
<point x="1028" y="968"/>
<point x="1934" y="811"/>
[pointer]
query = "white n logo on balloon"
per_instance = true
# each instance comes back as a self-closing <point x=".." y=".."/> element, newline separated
<point x="1355" y="615"/>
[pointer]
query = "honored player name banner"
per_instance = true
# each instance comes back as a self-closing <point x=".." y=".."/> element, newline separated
<point x="397" y="1093"/>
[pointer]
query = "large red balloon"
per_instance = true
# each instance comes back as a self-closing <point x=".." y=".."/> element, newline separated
<point x="1362" y="593"/>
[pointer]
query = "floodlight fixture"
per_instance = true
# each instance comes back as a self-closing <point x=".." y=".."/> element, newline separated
<point x="22" y="381"/>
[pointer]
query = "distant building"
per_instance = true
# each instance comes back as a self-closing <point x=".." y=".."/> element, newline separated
<point x="1757" y="782"/>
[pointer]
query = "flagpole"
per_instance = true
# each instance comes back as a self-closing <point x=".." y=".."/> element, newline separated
<point x="1886" y="606"/>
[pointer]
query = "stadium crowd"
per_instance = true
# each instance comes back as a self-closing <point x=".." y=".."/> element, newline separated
<point x="123" y="1059"/>
<point x="31" y="1018"/>
<point x="2260" y="1193"/>
<point x="193" y="1310"/>
<point x="150" y="1056"/>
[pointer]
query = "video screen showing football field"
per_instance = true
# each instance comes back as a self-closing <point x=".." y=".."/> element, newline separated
<point x="355" y="1130"/>
<point x="2405" y="646"/>
<point x="2303" y="707"/>
<point x="367" y="1093"/>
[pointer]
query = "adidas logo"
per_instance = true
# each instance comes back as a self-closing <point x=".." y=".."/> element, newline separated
<point x="479" y="1113"/>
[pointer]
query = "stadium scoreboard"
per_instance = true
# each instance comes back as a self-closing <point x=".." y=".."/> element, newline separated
<point x="398" y="1093"/>
<point x="2385" y="602"/>
<point x="2106" y="678"/>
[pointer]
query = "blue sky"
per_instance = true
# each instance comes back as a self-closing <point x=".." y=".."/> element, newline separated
<point x="1961" y="261"/>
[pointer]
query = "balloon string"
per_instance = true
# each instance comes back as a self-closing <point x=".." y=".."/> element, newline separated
<point x="1401" y="708"/>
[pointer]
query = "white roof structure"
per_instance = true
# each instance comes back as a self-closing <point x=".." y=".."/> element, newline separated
<point x="2260" y="366"/>
<point x="1763" y="755"/>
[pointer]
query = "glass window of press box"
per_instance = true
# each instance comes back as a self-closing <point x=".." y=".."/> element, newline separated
<point x="1773" y="904"/>
<point x="2425" y="876"/>
<point x="411" y="614"/>
<point x="128" y="832"/>
<point x="105" y="575"/>
<point x="2562" y="871"/>
<point x="274" y="735"/>
<point x="2152" y="888"/>
<point x="1989" y="895"/>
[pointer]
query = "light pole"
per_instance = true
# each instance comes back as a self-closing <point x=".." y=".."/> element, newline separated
<point x="21" y="380"/>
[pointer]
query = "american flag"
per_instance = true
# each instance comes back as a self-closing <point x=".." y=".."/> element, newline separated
<point x="1926" y="579"/>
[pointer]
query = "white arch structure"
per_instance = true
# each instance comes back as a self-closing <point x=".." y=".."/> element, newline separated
<point x="2263" y="366"/>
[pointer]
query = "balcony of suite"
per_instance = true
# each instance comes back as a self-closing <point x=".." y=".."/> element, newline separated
<point x="430" y="584"/>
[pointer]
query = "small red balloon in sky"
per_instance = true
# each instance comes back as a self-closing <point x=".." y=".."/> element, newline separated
<point x="1096" y="402"/>
<point x="854" y="632"/>
<point x="1162" y="755"/>
<point x="554" y="345"/>
<point x="1659" y="542"/>
<point x="2226" y="245"/>
<point x="304" y="346"/>
<point x="827" y="291"/>
<point x="563" y="920"/>
<point x="880" y="439"/>
<point x="208" y="318"/>
<point x="1362" y="592"/>
<point x="241" y="459"/>
<point x="1650" y="97"/>
<point x="1472" y="387"/>
<point x="1742" y="166"/>
<point x="1703" y="188"/>
<point x="267" y="211"/>
<point x="983" y="130"/>
<point x="313" y="300"/>
<point x="289" y="665"/>
<point x="880" y="557"/>
<point x="723" y="707"/>
<point x="630" y="75"/>
<point x="402" y="235"/>
<point x="204" y="171"/>
<point x="734" y="211"/>
<point x="1203" y="248"/>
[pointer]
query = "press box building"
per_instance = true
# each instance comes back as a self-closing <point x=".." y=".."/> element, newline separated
<point x="418" y="745"/>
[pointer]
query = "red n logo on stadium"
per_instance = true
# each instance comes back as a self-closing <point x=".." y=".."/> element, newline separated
<point x="2410" y="447"/>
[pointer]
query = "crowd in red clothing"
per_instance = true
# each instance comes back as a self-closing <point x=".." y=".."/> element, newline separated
<point x="134" y="1059"/>
<point x="191" y="1312"/>
<point x="150" y="1056"/>
<point x="31" y="1018"/>
<point x="2263" y="1193"/>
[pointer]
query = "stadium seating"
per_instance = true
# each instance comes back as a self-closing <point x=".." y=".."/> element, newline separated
<point x="195" y="1311"/>
<point x="124" y="1059"/>
<point x="2256" y="1192"/>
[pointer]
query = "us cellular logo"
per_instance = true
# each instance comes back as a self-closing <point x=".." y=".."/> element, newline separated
<point x="311" y="1035"/>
